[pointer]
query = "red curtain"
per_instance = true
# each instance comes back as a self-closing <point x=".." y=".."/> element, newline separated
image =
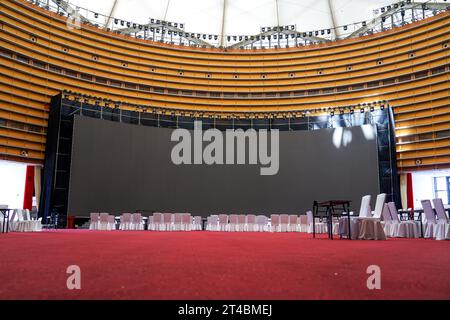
<point x="29" y="188"/>
<point x="409" y="188"/>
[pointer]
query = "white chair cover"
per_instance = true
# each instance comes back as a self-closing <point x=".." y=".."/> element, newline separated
<point x="430" y="222"/>
<point x="284" y="222"/>
<point x="112" y="222"/>
<point x="275" y="223"/>
<point x="294" y="223"/>
<point x="320" y="227"/>
<point x="223" y="222"/>
<point x="262" y="223"/>
<point x="125" y="222"/>
<point x="442" y="229"/>
<point x="186" y="222"/>
<point x="251" y="223"/>
<point x="136" y="222"/>
<point x="198" y="223"/>
<point x="364" y="212"/>
<point x="167" y="222"/>
<point x="234" y="223"/>
<point x="157" y="222"/>
<point x="303" y="223"/>
<point x="241" y="223"/>
<point x="401" y="229"/>
<point x="177" y="222"/>
<point x="103" y="224"/>
<point x="94" y="225"/>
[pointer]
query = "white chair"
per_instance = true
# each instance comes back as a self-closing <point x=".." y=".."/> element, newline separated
<point x="241" y="222"/>
<point x="94" y="221"/>
<point x="379" y="206"/>
<point x="167" y="222"/>
<point x="136" y="222"/>
<point x="364" y="212"/>
<point x="303" y="223"/>
<point x="177" y="221"/>
<point x="443" y="227"/>
<point x="429" y="219"/>
<point x="294" y="225"/>
<point x="223" y="222"/>
<point x="150" y="223"/>
<point x="370" y="226"/>
<point x="274" y="223"/>
<point x="112" y="222"/>
<point x="125" y="222"/>
<point x="103" y="223"/>
<point x="198" y="223"/>
<point x="320" y="227"/>
<point x="213" y="223"/>
<point x="157" y="222"/>
<point x="251" y="223"/>
<point x="284" y="222"/>
<point x="234" y="223"/>
<point x="388" y="223"/>
<point x="262" y="223"/>
<point x="186" y="222"/>
<point x="402" y="229"/>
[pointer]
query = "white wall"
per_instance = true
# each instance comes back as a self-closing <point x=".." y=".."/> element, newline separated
<point x="423" y="185"/>
<point x="12" y="183"/>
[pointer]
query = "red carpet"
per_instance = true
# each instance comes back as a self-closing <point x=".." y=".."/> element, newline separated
<point x="202" y="265"/>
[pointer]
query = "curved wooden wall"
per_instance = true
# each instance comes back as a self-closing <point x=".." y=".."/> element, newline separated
<point x="40" y="56"/>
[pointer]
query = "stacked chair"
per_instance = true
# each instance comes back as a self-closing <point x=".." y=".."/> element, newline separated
<point x="21" y="221"/>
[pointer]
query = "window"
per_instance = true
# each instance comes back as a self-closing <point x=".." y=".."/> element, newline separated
<point x="442" y="189"/>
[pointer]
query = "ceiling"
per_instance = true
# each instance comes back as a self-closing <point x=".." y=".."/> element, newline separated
<point x="238" y="17"/>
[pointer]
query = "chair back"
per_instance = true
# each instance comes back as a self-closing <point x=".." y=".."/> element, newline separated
<point x="393" y="212"/>
<point x="428" y="211"/>
<point x="111" y="219"/>
<point x="26" y="215"/>
<point x="310" y="217"/>
<point x="167" y="217"/>
<point x="379" y="205"/>
<point x="251" y="219"/>
<point x="293" y="219"/>
<point x="241" y="219"/>
<point x="223" y="219"/>
<point x="364" y="211"/>
<point x="234" y="219"/>
<point x="198" y="220"/>
<point x="274" y="219"/>
<point x="104" y="217"/>
<point x="386" y="214"/>
<point x="126" y="217"/>
<point x="178" y="218"/>
<point x="284" y="219"/>
<point x="137" y="218"/>
<point x="157" y="218"/>
<point x="186" y="218"/>
<point x="304" y="219"/>
<point x="214" y="220"/>
<point x="440" y="210"/>
<point x="262" y="220"/>
<point x="94" y="217"/>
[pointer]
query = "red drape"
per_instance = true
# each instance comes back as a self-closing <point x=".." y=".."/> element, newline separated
<point x="409" y="188"/>
<point x="29" y="188"/>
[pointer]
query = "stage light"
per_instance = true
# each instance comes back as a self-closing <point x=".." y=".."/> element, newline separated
<point x="116" y="21"/>
<point x="128" y="24"/>
<point x="372" y="109"/>
<point x="345" y="28"/>
<point x="364" y="23"/>
<point x="382" y="107"/>
<point x="352" y="111"/>
<point x="181" y="26"/>
<point x="96" y="15"/>
<point x="329" y="31"/>
<point x="361" y="110"/>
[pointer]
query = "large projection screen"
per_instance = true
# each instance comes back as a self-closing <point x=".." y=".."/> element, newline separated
<point x="119" y="168"/>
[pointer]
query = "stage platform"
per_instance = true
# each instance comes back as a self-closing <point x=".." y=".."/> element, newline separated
<point x="210" y="265"/>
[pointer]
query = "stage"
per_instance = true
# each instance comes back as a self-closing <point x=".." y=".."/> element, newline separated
<point x="210" y="266"/>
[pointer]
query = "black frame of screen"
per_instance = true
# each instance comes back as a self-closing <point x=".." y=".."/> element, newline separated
<point x="56" y="178"/>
